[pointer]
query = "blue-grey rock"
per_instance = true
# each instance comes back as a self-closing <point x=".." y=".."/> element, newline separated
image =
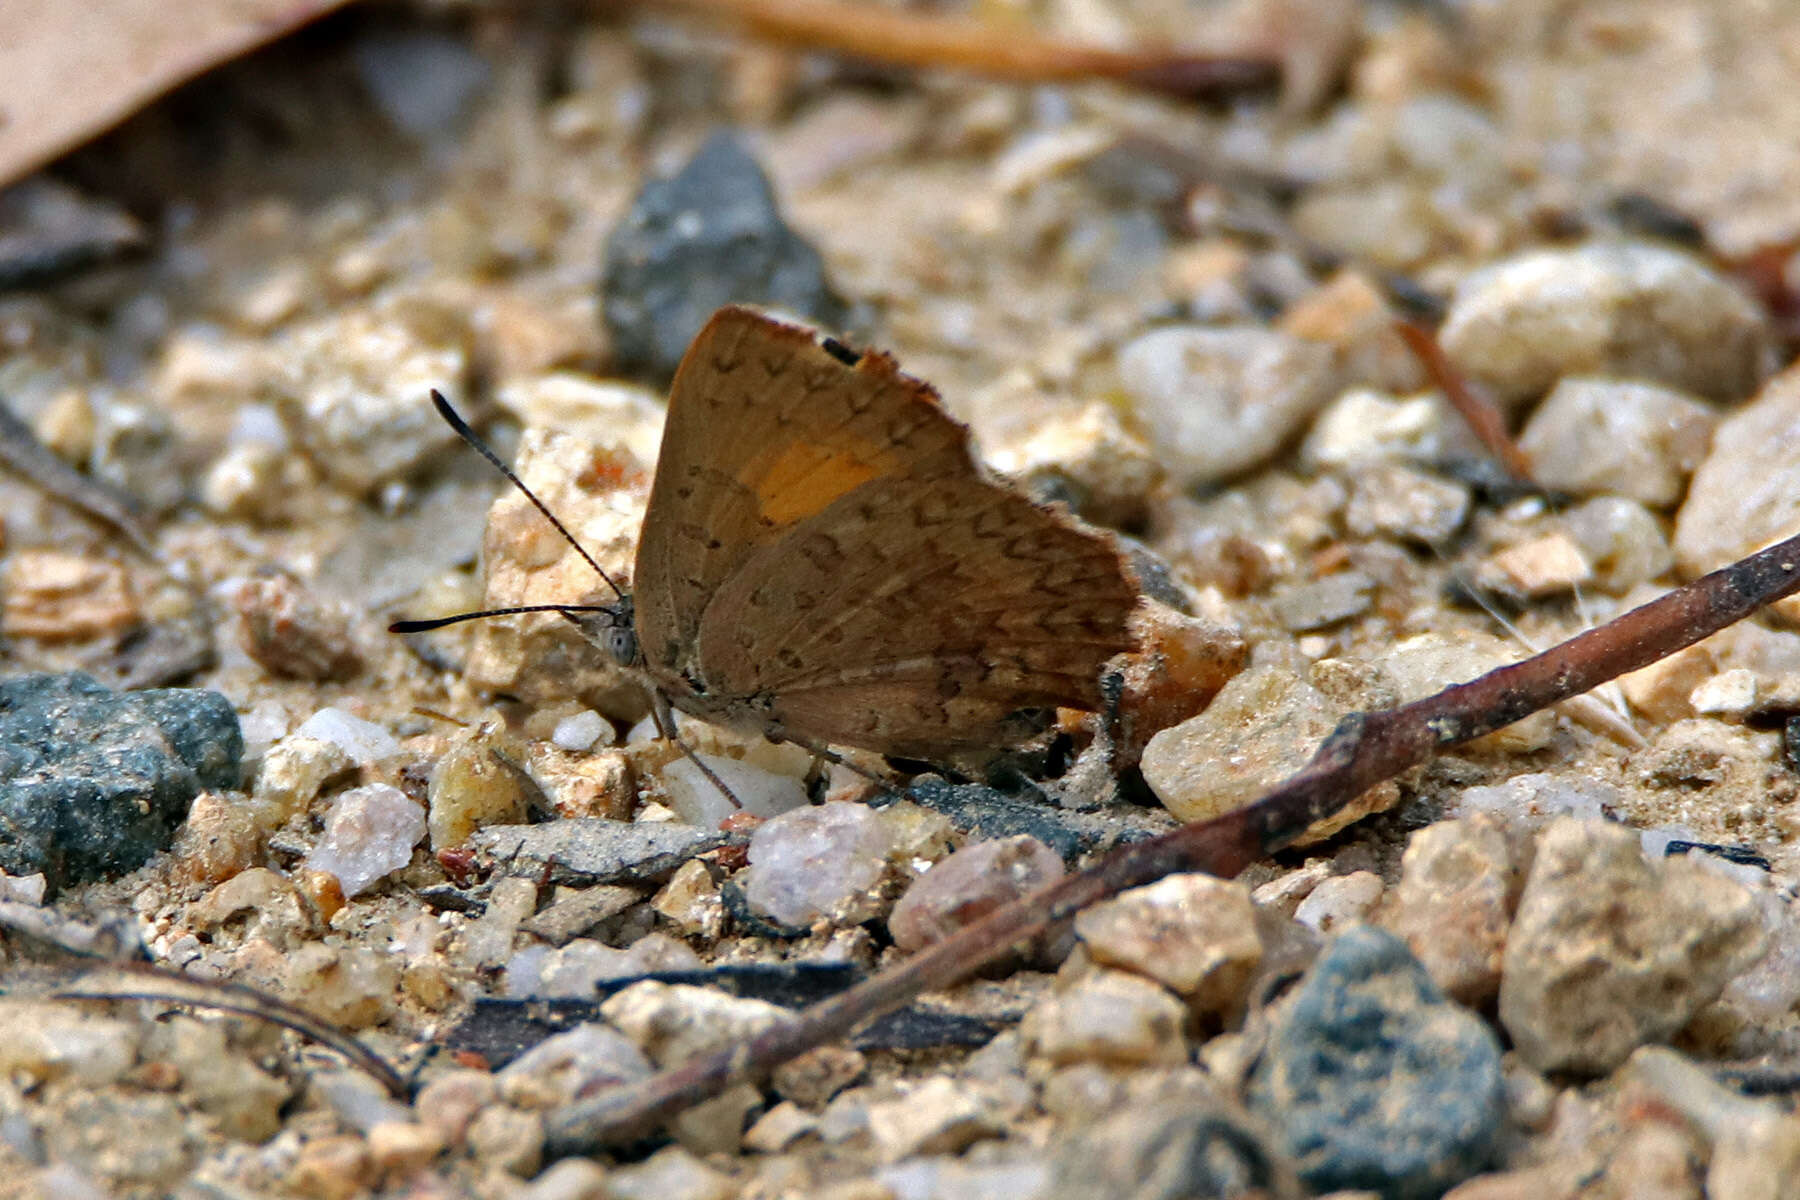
<point x="1374" y="1080"/>
<point x="708" y="236"/>
<point x="93" y="782"/>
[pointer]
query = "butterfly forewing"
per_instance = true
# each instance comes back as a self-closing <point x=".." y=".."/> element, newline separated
<point x="823" y="557"/>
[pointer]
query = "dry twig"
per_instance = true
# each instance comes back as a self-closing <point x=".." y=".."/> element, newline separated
<point x="908" y="39"/>
<point x="1474" y="405"/>
<point x="1365" y="749"/>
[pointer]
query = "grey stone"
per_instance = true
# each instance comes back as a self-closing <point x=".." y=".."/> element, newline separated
<point x="1322" y="603"/>
<point x="93" y="782"/>
<point x="707" y="236"/>
<point x="1171" y="1152"/>
<point x="1374" y="1080"/>
<point x="586" y="850"/>
<point x="1629" y="310"/>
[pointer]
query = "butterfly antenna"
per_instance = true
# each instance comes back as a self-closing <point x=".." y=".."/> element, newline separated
<point x="428" y="624"/>
<point x="454" y="419"/>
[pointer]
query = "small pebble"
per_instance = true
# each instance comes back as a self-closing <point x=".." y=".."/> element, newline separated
<point x="1088" y="460"/>
<point x="1362" y="427"/>
<point x="1194" y="934"/>
<point x="1222" y="400"/>
<point x="817" y="864"/>
<point x="218" y="840"/>
<point x="1322" y="603"/>
<point x="1609" y="952"/>
<point x="569" y="1179"/>
<point x="1110" y="1017"/>
<point x="1262" y="727"/>
<point x="1550" y="565"/>
<point x="448" y="1102"/>
<point x="1428" y="663"/>
<point x="504" y="1137"/>
<point x="1374" y="1080"/>
<point x="582" y="730"/>
<point x="333" y="1168"/>
<point x="369" y="833"/>
<point x="365" y="742"/>
<point x="1628" y="310"/>
<point x="403" y="1148"/>
<point x="671" y="1171"/>
<point x="1453" y="904"/>
<point x="1609" y="437"/>
<point x="292" y="773"/>
<point x="673" y="1022"/>
<point x="1340" y="901"/>
<point x="291" y="632"/>
<point x="1746" y="494"/>
<point x="968" y="885"/>
<point x="351" y="388"/>
<point x="356" y="1100"/>
<point x="58" y="596"/>
<point x="1622" y="541"/>
<point x="48" y="1041"/>
<point x="605" y="412"/>
<point x="708" y="235"/>
<point x="939" y="1116"/>
<point x="697" y="800"/>
<point x="1755" y="1145"/>
<point x="576" y="1063"/>
<point x="1731" y="693"/>
<point x="348" y="986"/>
<point x="478" y="781"/>
<point x="1390" y="500"/>
<point x="692" y="901"/>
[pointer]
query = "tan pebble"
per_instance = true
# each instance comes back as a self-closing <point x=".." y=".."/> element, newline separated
<point x="332" y="1168"/>
<point x="599" y="492"/>
<point x="1551" y="1182"/>
<point x="819" y="1074"/>
<point x="1181" y="664"/>
<point x="430" y="984"/>
<point x="1339" y="901"/>
<point x="292" y="633"/>
<point x="1663" y="691"/>
<point x="67" y="426"/>
<point x="1262" y="727"/>
<point x="1655" y="1162"/>
<point x="294" y="771"/>
<point x="529" y="335"/>
<point x="1609" y="952"/>
<point x="1192" y="933"/>
<point x="1544" y="566"/>
<point x="254" y="890"/>
<point x="480" y="780"/>
<point x="348" y="986"/>
<point x="1424" y="665"/>
<point x="1453" y="904"/>
<point x="503" y="1136"/>
<point x="968" y="885"/>
<point x="218" y="840"/>
<point x="58" y="596"/>
<point x="1731" y="693"/>
<point x="940" y="1116"/>
<point x="323" y="891"/>
<point x="779" y="1128"/>
<point x="692" y="901"/>
<point x="570" y="1179"/>
<point x="399" y="1148"/>
<point x="1107" y="1016"/>
<point x="448" y="1102"/>
<point x="1107" y="474"/>
<point x="595" y="784"/>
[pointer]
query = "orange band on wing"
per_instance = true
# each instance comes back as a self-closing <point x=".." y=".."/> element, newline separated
<point x="802" y="478"/>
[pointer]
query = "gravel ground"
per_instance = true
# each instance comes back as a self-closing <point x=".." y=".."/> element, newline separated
<point x="1562" y="962"/>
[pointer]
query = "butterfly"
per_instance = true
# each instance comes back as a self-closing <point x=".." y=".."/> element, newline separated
<point x="824" y="561"/>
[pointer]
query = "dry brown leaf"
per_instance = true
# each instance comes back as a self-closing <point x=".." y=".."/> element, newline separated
<point x="71" y="71"/>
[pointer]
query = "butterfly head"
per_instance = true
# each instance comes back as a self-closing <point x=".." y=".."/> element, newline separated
<point x="613" y="628"/>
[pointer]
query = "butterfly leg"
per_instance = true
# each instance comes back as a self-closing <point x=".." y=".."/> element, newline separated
<point x="664" y="716"/>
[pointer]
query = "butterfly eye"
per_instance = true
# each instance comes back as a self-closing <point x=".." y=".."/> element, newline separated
<point x="621" y="642"/>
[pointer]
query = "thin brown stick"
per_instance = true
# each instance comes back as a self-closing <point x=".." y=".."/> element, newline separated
<point x="1364" y="750"/>
<point x="909" y="39"/>
<point x="1470" y="401"/>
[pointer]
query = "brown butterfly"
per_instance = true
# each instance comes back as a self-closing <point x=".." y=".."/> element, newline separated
<point x="824" y="562"/>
